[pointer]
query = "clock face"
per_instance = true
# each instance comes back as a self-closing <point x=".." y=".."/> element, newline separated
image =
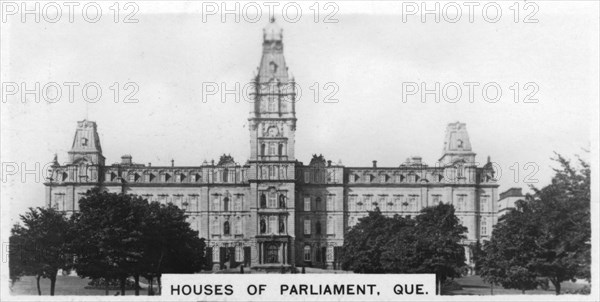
<point x="273" y="131"/>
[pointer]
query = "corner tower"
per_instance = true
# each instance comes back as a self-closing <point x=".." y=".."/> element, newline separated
<point x="86" y="145"/>
<point x="457" y="146"/>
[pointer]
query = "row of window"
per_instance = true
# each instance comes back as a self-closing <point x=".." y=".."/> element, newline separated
<point x="223" y="175"/>
<point x="272" y="149"/>
<point x="273" y="201"/>
<point x="318" y="205"/>
<point x="273" y="172"/>
<point x="312" y="175"/>
<point x="308" y="224"/>
<point x="319" y="253"/>
<point x="218" y="228"/>
<point x="272" y="224"/>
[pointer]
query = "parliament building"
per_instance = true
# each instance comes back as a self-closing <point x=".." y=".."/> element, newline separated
<point x="274" y="210"/>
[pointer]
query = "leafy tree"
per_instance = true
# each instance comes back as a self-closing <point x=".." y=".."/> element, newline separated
<point x="109" y="241"/>
<point x="171" y="246"/>
<point x="40" y="247"/>
<point x="477" y="255"/>
<point x="439" y="233"/>
<point x="430" y="243"/>
<point x="548" y="235"/>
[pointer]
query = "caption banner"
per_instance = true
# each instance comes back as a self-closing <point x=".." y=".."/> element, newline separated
<point x="298" y="287"/>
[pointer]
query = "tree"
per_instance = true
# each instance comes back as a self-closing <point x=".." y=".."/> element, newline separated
<point x="439" y="233"/>
<point x="430" y="243"/>
<point x="477" y="255"/>
<point x="109" y="241"/>
<point x="41" y="246"/>
<point x="548" y="235"/>
<point x="171" y="246"/>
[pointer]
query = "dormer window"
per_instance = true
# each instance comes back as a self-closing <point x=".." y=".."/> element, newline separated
<point x="272" y="67"/>
<point x="84" y="141"/>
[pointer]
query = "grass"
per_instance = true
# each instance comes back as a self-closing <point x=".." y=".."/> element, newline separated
<point x="474" y="285"/>
<point x="73" y="285"/>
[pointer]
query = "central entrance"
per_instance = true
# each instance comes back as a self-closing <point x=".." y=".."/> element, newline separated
<point x="272" y="255"/>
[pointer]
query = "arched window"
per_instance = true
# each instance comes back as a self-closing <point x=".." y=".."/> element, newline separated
<point x="263" y="201"/>
<point x="280" y="149"/>
<point x="226" y="204"/>
<point x="318" y="228"/>
<point x="272" y="200"/>
<point x="318" y="203"/>
<point x="225" y="175"/>
<point x="281" y="201"/>
<point x="262" y="149"/>
<point x="226" y="228"/>
<point x="307" y="256"/>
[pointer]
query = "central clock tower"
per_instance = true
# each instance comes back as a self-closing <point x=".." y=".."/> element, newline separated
<point x="272" y="125"/>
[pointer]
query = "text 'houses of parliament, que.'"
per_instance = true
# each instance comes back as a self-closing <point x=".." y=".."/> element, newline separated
<point x="274" y="210"/>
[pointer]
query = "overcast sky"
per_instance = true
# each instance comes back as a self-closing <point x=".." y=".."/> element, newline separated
<point x="368" y="55"/>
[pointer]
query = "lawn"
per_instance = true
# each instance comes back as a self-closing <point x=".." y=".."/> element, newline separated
<point x="65" y="285"/>
<point x="474" y="285"/>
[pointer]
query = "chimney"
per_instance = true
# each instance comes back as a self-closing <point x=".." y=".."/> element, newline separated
<point x="126" y="159"/>
<point x="374" y="164"/>
<point x="328" y="163"/>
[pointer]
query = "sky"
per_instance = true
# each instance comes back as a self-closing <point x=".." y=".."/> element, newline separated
<point x="363" y="61"/>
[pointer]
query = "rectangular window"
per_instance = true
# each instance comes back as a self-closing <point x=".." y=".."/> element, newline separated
<point x="238" y="226"/>
<point x="238" y="202"/>
<point x="484" y="204"/>
<point x="460" y="204"/>
<point x="330" y="253"/>
<point x="272" y="200"/>
<point x="360" y="206"/>
<point x="307" y="253"/>
<point x="306" y="177"/>
<point x="306" y="203"/>
<point x="330" y="226"/>
<point x="215" y="205"/>
<point x="368" y="202"/>
<point x="352" y="203"/>
<point x="239" y="253"/>
<point x="306" y="226"/>
<point x="330" y="202"/>
<point x="272" y="224"/>
<point x="215" y="226"/>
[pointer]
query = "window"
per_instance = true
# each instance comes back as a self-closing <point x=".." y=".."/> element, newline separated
<point x="436" y="199"/>
<point x="215" y="206"/>
<point x="272" y="224"/>
<point x="390" y="206"/>
<point x="238" y="202"/>
<point x="226" y="230"/>
<point x="382" y="178"/>
<point x="359" y="205"/>
<point x="460" y="204"/>
<point x="225" y="175"/>
<point x="263" y="201"/>
<point x="330" y="202"/>
<point x="272" y="104"/>
<point x="272" y="148"/>
<point x="484" y="204"/>
<point x="238" y="226"/>
<point x="306" y="203"/>
<point x="483" y="226"/>
<point x="272" y="172"/>
<point x="280" y="150"/>
<point x="318" y="204"/>
<point x="352" y="203"/>
<point x="226" y="204"/>
<point x="239" y="253"/>
<point x="262" y="149"/>
<point x="318" y="228"/>
<point x="306" y="176"/>
<point x="330" y="253"/>
<point x="215" y="226"/>
<point x="306" y="226"/>
<point x="272" y="200"/>
<point x="368" y="202"/>
<point x="330" y="225"/>
<point x="307" y="253"/>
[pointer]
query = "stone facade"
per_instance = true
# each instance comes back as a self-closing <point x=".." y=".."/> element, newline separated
<point x="273" y="210"/>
